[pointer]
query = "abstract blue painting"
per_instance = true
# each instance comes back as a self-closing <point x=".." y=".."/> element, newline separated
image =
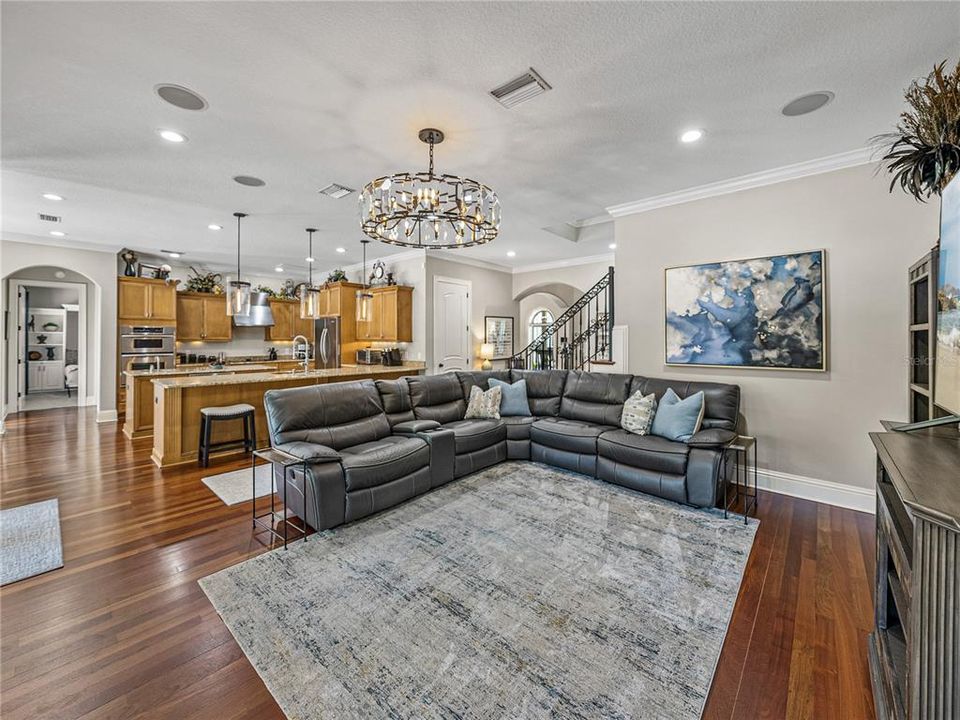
<point x="763" y="312"/>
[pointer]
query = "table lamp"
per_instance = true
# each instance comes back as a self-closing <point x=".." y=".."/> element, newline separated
<point x="486" y="354"/>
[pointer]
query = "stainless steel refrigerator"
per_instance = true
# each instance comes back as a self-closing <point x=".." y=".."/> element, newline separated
<point x="326" y="347"/>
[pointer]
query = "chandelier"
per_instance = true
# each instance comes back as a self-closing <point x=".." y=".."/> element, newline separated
<point x="429" y="211"/>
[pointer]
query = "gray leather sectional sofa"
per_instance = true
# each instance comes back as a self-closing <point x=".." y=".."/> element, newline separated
<point x="371" y="445"/>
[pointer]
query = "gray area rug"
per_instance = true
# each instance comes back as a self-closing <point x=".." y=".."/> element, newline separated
<point x="518" y="592"/>
<point x="30" y="540"/>
<point x="235" y="487"/>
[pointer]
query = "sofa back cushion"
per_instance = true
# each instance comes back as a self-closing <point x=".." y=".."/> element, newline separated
<point x="395" y="396"/>
<point x="337" y="415"/>
<point x="721" y="400"/>
<point x="481" y="378"/>
<point x="544" y="389"/>
<point x="595" y="398"/>
<point x="437" y="397"/>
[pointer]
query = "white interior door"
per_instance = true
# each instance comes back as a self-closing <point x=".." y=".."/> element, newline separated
<point x="451" y="325"/>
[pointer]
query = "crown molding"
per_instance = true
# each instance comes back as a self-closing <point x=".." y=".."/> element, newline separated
<point x="571" y="262"/>
<point x="827" y="164"/>
<point x="475" y="262"/>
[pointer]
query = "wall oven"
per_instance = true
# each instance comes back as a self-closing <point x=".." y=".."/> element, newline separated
<point x="146" y="347"/>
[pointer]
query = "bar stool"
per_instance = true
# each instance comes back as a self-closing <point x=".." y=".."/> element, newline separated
<point x="240" y="411"/>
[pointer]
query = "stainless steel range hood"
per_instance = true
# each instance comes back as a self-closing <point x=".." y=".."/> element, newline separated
<point x="260" y="313"/>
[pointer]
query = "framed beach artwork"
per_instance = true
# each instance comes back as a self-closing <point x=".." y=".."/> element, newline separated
<point x="766" y="312"/>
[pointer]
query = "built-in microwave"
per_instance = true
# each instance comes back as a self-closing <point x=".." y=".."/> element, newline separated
<point x="140" y="340"/>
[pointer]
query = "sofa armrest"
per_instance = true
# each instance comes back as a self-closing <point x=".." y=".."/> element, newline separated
<point x="412" y="427"/>
<point x="712" y="438"/>
<point x="308" y="451"/>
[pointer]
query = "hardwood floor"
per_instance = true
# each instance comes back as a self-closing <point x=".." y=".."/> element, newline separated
<point x="124" y="631"/>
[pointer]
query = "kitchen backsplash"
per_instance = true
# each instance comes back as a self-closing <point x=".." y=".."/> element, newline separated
<point x="246" y="341"/>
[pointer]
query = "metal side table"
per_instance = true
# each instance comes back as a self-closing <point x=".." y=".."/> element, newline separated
<point x="739" y="448"/>
<point x="286" y="464"/>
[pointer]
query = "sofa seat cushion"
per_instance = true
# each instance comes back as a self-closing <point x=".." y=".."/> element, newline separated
<point x="518" y="426"/>
<point x="574" y="436"/>
<point x="374" y="463"/>
<point x="649" y="452"/>
<point x="471" y="435"/>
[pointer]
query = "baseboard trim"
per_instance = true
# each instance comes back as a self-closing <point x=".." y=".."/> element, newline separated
<point x="851" y="497"/>
<point x="105" y="416"/>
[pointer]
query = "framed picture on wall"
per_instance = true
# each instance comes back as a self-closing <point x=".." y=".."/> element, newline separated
<point x="766" y="312"/>
<point x="498" y="331"/>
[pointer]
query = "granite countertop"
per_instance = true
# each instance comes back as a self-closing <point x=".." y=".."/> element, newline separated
<point x="195" y="370"/>
<point x="346" y="372"/>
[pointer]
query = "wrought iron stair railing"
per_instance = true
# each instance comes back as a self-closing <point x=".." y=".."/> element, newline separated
<point x="582" y="334"/>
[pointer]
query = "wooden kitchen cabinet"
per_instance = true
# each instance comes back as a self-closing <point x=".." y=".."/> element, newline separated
<point x="202" y="316"/>
<point x="141" y="299"/>
<point x="287" y="322"/>
<point x="391" y="317"/>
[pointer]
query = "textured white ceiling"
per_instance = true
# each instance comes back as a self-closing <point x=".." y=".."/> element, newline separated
<point x="304" y="93"/>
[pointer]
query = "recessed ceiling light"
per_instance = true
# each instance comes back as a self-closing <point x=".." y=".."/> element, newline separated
<point x="172" y="253"/>
<point x="53" y="196"/>
<point x="511" y="253"/>
<point x="612" y="246"/>
<point x="278" y="268"/>
<point x="60" y="274"/>
<point x="214" y="226"/>
<point x="58" y="233"/>
<point x="308" y="259"/>
<point x="249" y="180"/>
<point x="691" y="136"/>
<point x="181" y="97"/>
<point x="341" y="250"/>
<point x="807" y="103"/>
<point x="172" y="136"/>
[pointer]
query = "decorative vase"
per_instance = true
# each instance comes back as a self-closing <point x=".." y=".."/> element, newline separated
<point x="50" y="353"/>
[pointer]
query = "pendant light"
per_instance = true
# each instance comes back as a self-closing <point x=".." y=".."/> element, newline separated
<point x="309" y="294"/>
<point x="364" y="298"/>
<point x="238" y="291"/>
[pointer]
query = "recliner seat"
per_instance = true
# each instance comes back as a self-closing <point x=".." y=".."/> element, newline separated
<point x="369" y="446"/>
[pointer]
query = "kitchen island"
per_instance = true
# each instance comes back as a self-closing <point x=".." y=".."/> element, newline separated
<point x="177" y="402"/>
<point x="138" y="413"/>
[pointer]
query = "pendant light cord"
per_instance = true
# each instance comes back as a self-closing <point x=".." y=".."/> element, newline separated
<point x="238" y="216"/>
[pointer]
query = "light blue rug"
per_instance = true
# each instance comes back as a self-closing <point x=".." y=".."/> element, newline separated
<point x="517" y="592"/>
<point x="235" y="487"/>
<point x="30" y="540"/>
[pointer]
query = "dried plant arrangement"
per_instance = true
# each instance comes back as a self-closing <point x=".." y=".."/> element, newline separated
<point x="923" y="154"/>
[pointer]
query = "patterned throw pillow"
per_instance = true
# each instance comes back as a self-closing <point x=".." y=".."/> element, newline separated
<point x="638" y="413"/>
<point x="485" y="405"/>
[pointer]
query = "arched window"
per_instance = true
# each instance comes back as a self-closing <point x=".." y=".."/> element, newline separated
<point x="540" y="320"/>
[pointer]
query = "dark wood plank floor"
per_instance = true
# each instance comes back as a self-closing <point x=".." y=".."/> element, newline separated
<point x="124" y="631"/>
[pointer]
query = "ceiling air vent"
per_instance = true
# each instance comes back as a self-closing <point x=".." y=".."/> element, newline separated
<point x="520" y="89"/>
<point x="49" y="218"/>
<point x="336" y="191"/>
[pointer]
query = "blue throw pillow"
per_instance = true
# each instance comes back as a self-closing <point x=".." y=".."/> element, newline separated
<point x="513" y="400"/>
<point x="678" y="419"/>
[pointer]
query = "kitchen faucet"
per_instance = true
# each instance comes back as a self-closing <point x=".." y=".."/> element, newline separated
<point x="306" y="350"/>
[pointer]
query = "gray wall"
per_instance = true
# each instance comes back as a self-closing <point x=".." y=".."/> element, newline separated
<point x="809" y="424"/>
<point x="492" y="294"/>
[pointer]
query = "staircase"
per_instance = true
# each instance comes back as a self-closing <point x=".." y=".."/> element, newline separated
<point x="581" y="335"/>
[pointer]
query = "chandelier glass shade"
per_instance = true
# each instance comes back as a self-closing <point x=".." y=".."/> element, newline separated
<point x="238" y="291"/>
<point x="310" y="294"/>
<point x="429" y="211"/>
